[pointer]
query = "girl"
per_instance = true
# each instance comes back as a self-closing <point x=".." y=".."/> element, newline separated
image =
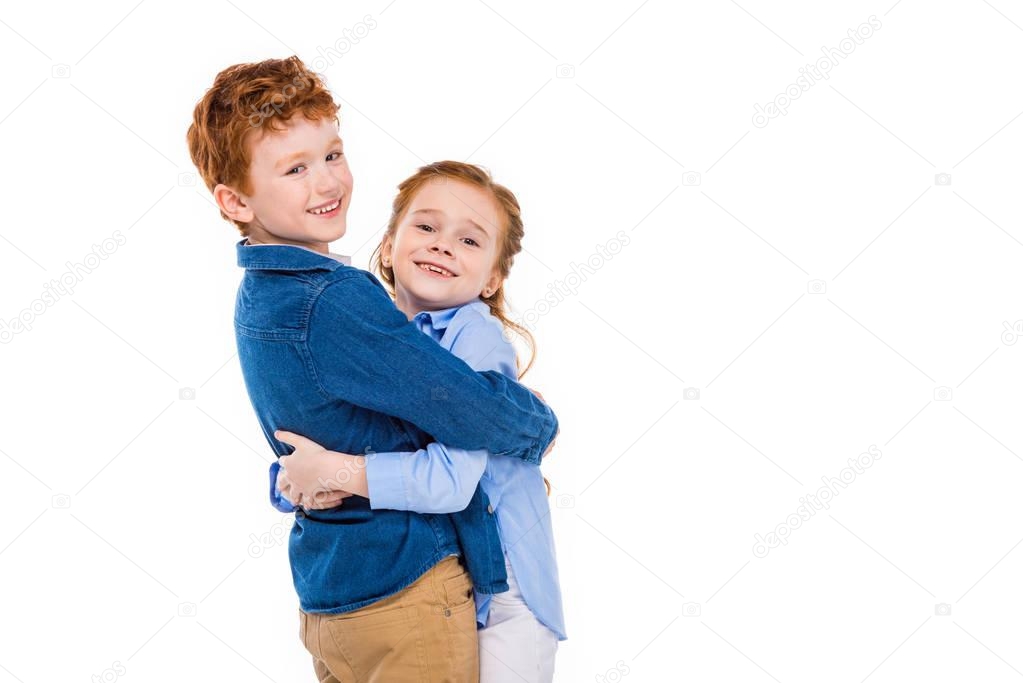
<point x="448" y="248"/>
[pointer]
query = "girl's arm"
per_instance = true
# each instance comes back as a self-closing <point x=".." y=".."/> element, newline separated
<point x="434" y="480"/>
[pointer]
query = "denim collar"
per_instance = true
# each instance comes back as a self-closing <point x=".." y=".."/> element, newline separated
<point x="286" y="257"/>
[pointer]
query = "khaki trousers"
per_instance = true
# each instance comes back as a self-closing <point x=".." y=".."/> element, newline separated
<point x="423" y="634"/>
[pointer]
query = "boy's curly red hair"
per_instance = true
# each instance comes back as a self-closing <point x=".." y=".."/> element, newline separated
<point x="247" y="99"/>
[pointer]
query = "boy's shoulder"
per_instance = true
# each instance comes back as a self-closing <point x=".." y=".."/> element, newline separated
<point x="311" y="266"/>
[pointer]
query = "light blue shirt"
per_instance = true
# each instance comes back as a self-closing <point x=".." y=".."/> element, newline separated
<point x="440" y="479"/>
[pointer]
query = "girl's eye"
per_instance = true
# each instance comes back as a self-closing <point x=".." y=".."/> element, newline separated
<point x="471" y="242"/>
<point x="336" y="155"/>
<point x="292" y="171"/>
<point x="424" y="227"/>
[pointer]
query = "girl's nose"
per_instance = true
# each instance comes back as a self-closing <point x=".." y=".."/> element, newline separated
<point x="441" y="247"/>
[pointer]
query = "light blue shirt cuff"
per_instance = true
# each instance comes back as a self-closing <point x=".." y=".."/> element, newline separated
<point x="279" y="502"/>
<point x="385" y="480"/>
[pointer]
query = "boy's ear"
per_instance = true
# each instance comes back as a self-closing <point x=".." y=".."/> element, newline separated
<point x="233" y="204"/>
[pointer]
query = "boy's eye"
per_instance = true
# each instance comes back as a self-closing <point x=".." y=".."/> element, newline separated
<point x="471" y="242"/>
<point x="293" y="170"/>
<point x="335" y="155"/>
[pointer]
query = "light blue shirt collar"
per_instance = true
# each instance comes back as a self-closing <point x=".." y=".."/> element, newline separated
<point x="439" y="320"/>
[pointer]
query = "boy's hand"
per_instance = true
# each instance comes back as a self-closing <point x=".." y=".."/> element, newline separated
<point x="321" y="500"/>
<point x="554" y="440"/>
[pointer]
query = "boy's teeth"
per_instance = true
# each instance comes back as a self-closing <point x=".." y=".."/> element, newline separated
<point x="326" y="209"/>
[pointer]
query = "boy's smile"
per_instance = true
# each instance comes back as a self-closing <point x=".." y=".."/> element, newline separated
<point x="301" y="186"/>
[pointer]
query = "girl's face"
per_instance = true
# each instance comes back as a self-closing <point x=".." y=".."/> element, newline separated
<point x="444" y="251"/>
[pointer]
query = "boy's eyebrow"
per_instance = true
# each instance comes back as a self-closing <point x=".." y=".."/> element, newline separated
<point x="291" y="158"/>
<point x="438" y="212"/>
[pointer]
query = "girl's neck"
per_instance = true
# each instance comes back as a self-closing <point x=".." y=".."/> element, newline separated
<point x="411" y="309"/>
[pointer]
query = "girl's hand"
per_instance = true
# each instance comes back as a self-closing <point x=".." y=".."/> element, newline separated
<point x="309" y="472"/>
<point x="320" y="501"/>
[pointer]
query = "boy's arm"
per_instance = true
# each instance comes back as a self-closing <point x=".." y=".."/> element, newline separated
<point x="436" y="479"/>
<point x="362" y="349"/>
<point x="440" y="479"/>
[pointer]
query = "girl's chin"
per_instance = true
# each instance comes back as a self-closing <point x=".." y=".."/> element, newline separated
<point x="426" y="300"/>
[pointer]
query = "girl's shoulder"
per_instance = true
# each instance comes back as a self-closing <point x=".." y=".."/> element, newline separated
<point x="477" y="315"/>
<point x="478" y="338"/>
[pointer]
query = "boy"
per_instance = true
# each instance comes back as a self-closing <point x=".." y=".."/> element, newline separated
<point x="324" y="352"/>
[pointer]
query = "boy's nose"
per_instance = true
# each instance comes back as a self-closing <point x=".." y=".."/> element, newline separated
<point x="327" y="184"/>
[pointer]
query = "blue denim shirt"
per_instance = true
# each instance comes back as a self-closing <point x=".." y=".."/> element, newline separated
<point x="325" y="353"/>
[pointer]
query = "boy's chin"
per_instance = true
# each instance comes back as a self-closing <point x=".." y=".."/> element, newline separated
<point x="324" y="233"/>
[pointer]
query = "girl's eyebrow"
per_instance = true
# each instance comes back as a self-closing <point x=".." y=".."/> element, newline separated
<point x="437" y="212"/>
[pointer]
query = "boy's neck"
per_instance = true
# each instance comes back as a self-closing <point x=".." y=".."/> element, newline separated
<point x="257" y="234"/>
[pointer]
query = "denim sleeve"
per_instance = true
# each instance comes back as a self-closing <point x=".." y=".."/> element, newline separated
<point x="361" y="349"/>
<point x="438" y="479"/>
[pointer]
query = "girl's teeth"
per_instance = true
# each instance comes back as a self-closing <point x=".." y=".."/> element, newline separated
<point x="434" y="269"/>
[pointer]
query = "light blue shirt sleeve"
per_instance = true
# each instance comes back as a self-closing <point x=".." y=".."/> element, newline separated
<point x="435" y="479"/>
<point x="438" y="479"/>
<point x="279" y="502"/>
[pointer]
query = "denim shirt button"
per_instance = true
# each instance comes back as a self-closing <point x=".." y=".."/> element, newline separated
<point x="490" y="509"/>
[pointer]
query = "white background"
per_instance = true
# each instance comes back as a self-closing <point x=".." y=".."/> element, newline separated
<point x="124" y="502"/>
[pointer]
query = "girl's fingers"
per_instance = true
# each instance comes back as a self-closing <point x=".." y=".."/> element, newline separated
<point x="286" y="437"/>
<point x="330" y="501"/>
<point x="292" y="439"/>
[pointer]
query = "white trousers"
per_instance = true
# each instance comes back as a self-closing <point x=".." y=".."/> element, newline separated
<point x="514" y="646"/>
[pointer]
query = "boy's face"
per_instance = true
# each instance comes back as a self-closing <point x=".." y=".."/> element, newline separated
<point x="451" y="227"/>
<point x="294" y="175"/>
